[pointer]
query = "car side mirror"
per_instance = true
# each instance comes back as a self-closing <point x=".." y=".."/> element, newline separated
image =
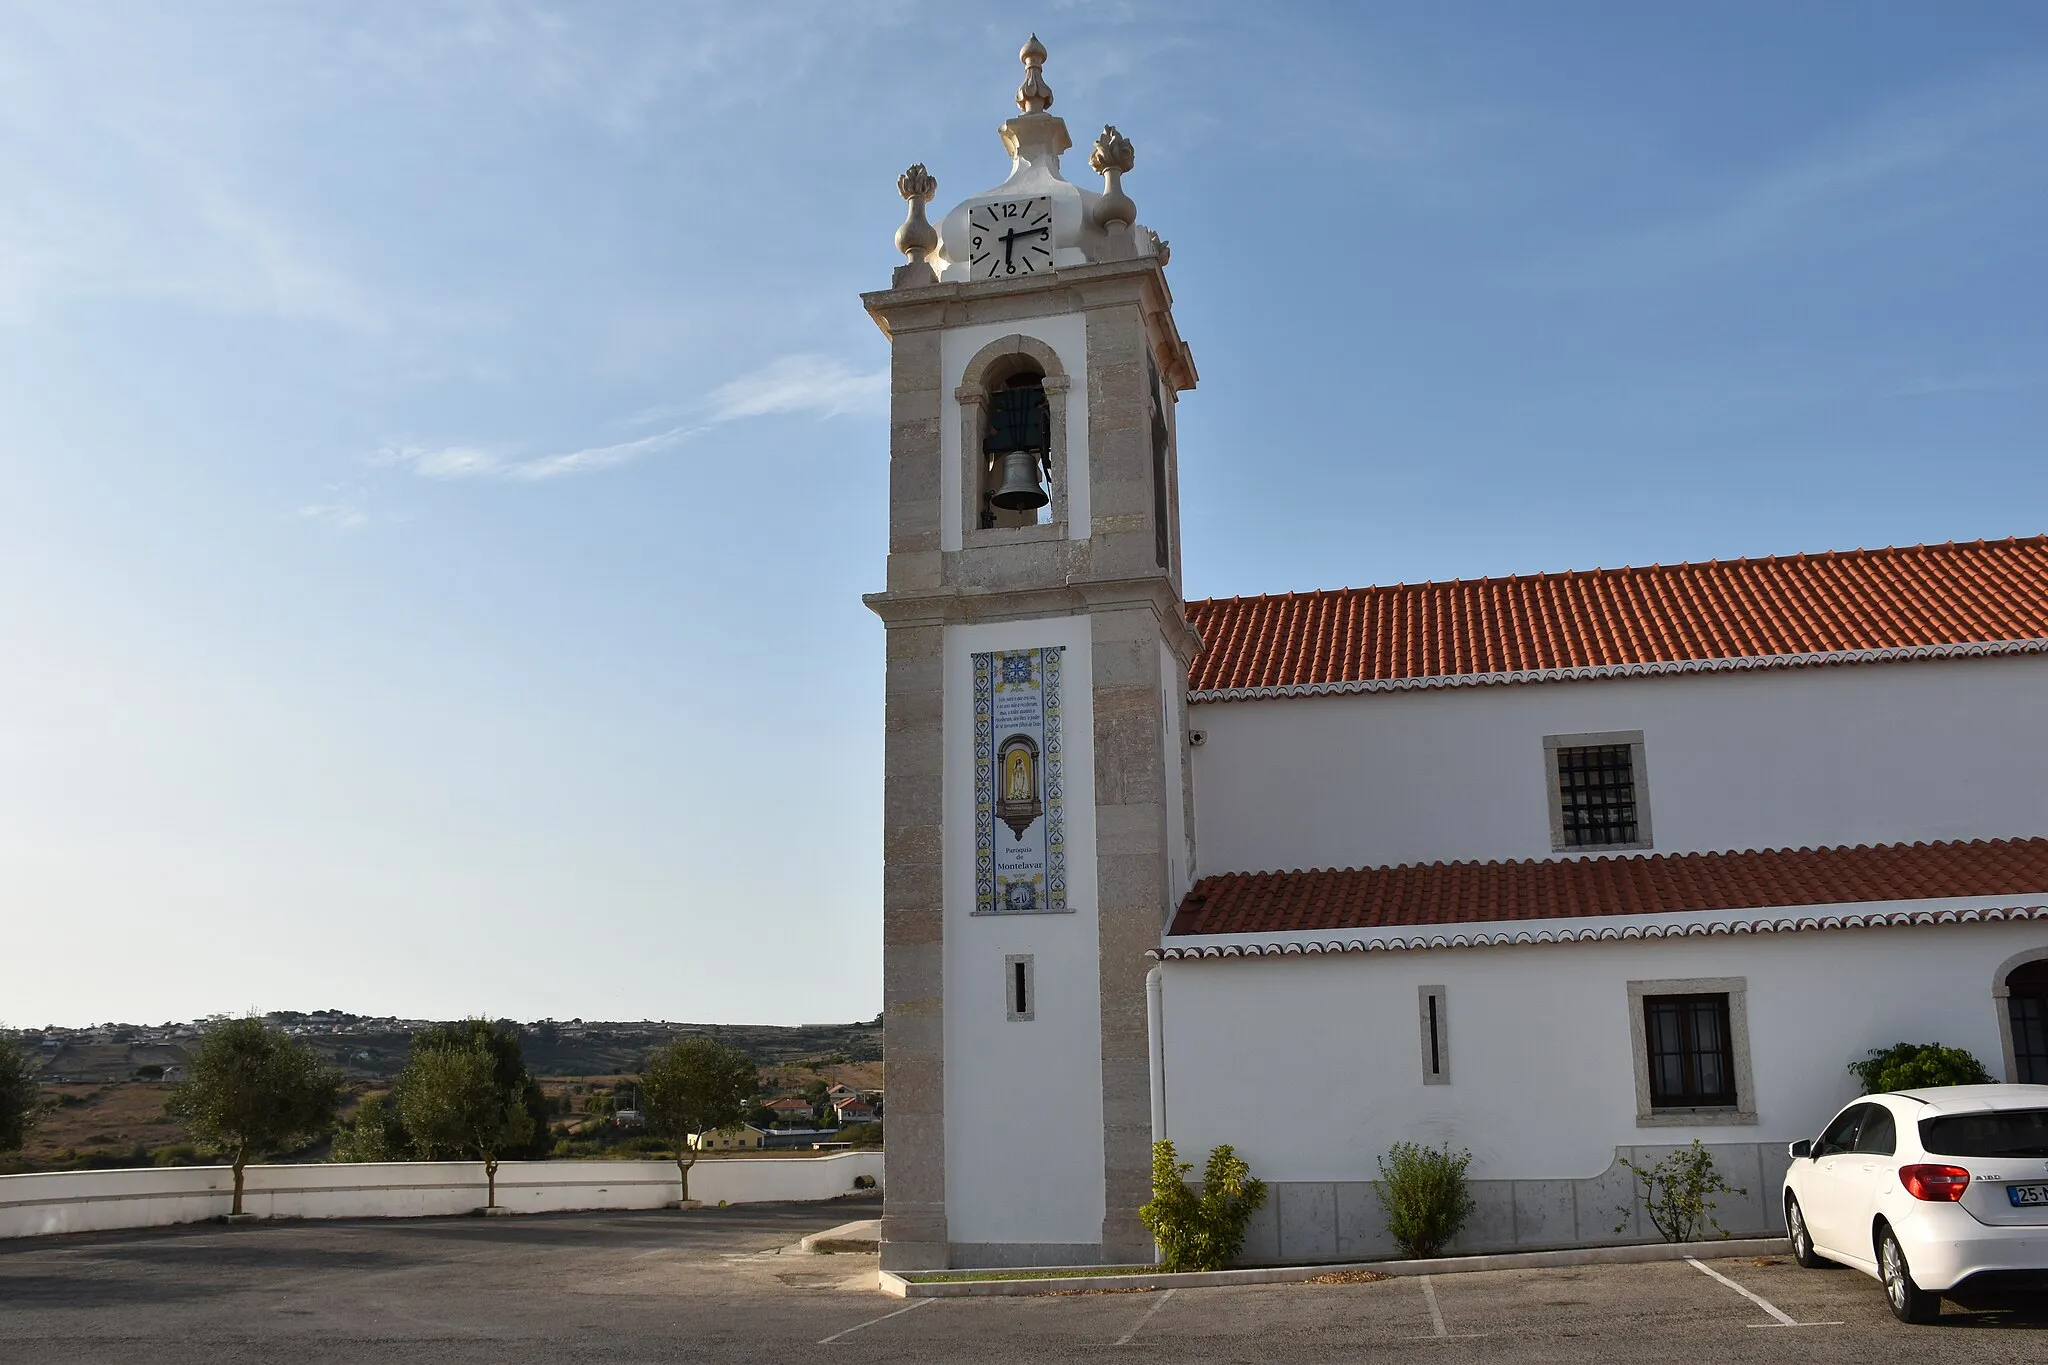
<point x="1801" y="1148"/>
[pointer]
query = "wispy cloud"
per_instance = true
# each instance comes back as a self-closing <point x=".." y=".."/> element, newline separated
<point x="340" y="509"/>
<point x="1937" y="154"/>
<point x="817" y="384"/>
<point x="129" y="176"/>
<point x="476" y="462"/>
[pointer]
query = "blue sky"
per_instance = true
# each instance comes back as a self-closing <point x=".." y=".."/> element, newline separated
<point x="441" y="448"/>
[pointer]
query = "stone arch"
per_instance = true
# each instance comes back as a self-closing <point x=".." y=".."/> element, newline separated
<point x="2001" y="995"/>
<point x="990" y="367"/>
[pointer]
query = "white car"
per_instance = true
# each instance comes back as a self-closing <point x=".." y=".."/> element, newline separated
<point x="1939" y="1193"/>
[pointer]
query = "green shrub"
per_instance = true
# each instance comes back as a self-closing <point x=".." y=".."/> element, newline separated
<point x="645" y="1145"/>
<point x="177" y="1154"/>
<point x="1912" y="1066"/>
<point x="1678" y="1194"/>
<point x="1426" y="1198"/>
<point x="862" y="1134"/>
<point x="1200" y="1231"/>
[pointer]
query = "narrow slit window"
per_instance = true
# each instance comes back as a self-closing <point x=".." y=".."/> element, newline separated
<point x="1435" y="1020"/>
<point x="1019" y="988"/>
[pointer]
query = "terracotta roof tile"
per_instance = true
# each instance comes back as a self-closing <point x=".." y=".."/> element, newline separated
<point x="1837" y="603"/>
<point x="1477" y="893"/>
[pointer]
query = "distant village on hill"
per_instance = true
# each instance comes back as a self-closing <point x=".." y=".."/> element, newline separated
<point x="374" y="1047"/>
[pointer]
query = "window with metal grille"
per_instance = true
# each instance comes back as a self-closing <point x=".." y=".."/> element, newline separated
<point x="1691" y="1051"/>
<point x="2026" y="1005"/>
<point x="1596" y="787"/>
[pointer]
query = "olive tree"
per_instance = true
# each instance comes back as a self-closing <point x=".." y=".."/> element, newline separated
<point x="20" y="1105"/>
<point x="375" y="1133"/>
<point x="250" y="1091"/>
<point x="695" y="1086"/>
<point x="451" y="1101"/>
<point x="508" y="1061"/>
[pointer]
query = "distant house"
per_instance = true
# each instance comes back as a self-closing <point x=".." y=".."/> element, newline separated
<point x="789" y="1109"/>
<point x="745" y="1137"/>
<point x="629" y="1118"/>
<point x="853" y="1109"/>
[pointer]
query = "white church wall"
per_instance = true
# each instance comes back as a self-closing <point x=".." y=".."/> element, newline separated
<point x="1067" y="334"/>
<point x="1873" y="753"/>
<point x="1312" y="1065"/>
<point x="1024" y="1154"/>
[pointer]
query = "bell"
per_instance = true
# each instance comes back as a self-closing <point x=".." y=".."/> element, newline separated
<point x="1021" y="490"/>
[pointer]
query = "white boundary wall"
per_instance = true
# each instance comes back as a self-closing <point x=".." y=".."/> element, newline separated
<point x="90" y="1201"/>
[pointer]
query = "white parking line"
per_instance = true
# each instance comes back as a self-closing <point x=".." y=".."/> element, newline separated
<point x="1436" y="1314"/>
<point x="1139" y="1325"/>
<point x="1784" y="1319"/>
<point x="872" y="1321"/>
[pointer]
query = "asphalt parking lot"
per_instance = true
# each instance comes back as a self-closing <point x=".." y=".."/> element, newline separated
<point x="712" y="1285"/>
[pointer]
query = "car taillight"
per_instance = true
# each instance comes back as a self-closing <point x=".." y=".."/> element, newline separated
<point x="1936" y="1184"/>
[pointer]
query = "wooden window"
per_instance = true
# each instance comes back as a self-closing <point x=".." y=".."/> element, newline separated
<point x="1597" y="790"/>
<point x="1691" y="1051"/>
<point x="2026" y="1004"/>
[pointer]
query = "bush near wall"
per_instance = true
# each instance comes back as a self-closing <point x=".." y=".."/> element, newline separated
<point x="1916" y="1066"/>
<point x="1425" y="1196"/>
<point x="1200" y="1231"/>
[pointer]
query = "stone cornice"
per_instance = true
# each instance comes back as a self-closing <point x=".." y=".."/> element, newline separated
<point x="1075" y="596"/>
<point x="1101" y="284"/>
<point x="1759" y="663"/>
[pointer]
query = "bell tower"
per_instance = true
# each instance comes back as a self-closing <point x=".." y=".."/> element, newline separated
<point x="1037" y="821"/>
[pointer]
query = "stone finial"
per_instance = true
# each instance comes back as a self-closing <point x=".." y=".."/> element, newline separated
<point x="1113" y="152"/>
<point x="1113" y="155"/>
<point x="917" y="238"/>
<point x="1034" y="96"/>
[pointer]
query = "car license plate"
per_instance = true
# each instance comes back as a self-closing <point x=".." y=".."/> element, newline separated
<point x="2024" y="1195"/>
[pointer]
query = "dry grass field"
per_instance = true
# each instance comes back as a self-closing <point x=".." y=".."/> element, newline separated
<point x="113" y="1118"/>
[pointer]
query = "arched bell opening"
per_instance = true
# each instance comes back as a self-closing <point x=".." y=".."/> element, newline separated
<point x="1016" y="449"/>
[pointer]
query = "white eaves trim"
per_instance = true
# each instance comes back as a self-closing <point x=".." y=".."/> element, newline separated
<point x="1598" y="928"/>
<point x="1974" y="650"/>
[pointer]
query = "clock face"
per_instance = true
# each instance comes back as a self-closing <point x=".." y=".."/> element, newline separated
<point x="1010" y="238"/>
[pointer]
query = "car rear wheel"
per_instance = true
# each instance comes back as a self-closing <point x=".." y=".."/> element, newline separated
<point x="1910" y="1303"/>
<point x="1801" y="1239"/>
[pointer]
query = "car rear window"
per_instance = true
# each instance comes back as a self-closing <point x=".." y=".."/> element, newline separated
<point x="2010" y="1132"/>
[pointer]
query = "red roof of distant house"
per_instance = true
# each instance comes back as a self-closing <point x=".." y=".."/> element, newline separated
<point x="1823" y="608"/>
<point x="1424" y="894"/>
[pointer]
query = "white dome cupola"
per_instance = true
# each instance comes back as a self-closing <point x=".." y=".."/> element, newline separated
<point x="1036" y="221"/>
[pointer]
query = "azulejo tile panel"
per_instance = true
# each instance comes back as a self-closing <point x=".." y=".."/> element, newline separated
<point x="1020" y="839"/>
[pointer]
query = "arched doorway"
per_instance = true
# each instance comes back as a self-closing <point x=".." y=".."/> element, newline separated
<point x="2026" y="1004"/>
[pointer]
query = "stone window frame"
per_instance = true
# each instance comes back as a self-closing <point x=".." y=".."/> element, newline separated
<point x="1743" y="1111"/>
<point x="1018" y="968"/>
<point x="989" y="366"/>
<point x="1440" y="1054"/>
<point x="2000" y="995"/>
<point x="1639" y="778"/>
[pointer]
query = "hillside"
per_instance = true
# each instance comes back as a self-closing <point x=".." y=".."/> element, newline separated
<point x="376" y="1049"/>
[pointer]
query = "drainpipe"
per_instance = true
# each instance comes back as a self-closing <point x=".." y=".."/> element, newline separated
<point x="1155" y="1029"/>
